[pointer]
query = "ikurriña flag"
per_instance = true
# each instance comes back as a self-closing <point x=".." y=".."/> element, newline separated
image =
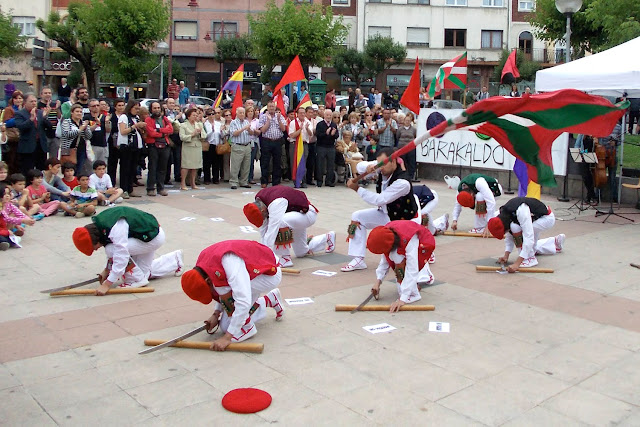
<point x="510" y="71"/>
<point x="450" y="75"/>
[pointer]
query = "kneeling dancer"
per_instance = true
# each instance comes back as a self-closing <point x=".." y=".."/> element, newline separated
<point x="234" y="273"/>
<point x="130" y="238"/>
<point x="523" y="218"/>
<point x="405" y="247"/>
<point x="283" y="215"/>
<point x="394" y="200"/>
<point x="477" y="191"/>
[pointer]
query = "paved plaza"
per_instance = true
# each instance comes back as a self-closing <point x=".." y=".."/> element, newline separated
<point x="559" y="349"/>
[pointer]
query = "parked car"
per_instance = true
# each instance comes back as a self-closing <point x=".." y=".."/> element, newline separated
<point x="447" y="104"/>
<point x="146" y="102"/>
<point x="201" y="100"/>
<point x="342" y="101"/>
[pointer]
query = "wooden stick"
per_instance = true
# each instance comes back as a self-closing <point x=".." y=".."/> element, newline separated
<point x="244" y="347"/>
<point x="635" y="265"/>
<point x="406" y="307"/>
<point x="109" y="292"/>
<point x="290" y="270"/>
<point x="521" y="269"/>
<point x="464" y="234"/>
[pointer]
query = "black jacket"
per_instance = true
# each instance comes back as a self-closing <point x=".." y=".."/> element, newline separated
<point x="324" y="138"/>
<point x="28" y="132"/>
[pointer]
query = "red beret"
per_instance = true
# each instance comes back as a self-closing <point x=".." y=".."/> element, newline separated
<point x="496" y="227"/>
<point x="466" y="199"/>
<point x="246" y="400"/>
<point x="380" y="240"/>
<point x="82" y="240"/>
<point x="196" y="288"/>
<point x="253" y="214"/>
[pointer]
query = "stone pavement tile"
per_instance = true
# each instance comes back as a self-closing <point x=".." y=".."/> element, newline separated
<point x="72" y="319"/>
<point x="287" y="395"/>
<point x="116" y="408"/>
<point x="18" y="408"/>
<point x="122" y="310"/>
<point x="341" y="345"/>
<point x="605" y="283"/>
<point x="7" y="379"/>
<point x="109" y="352"/>
<point x="22" y="328"/>
<point x="540" y="416"/>
<point x="555" y="329"/>
<point x="166" y="396"/>
<point x="326" y="412"/>
<point x="204" y="414"/>
<point x="631" y="292"/>
<point x="141" y="370"/>
<point x="589" y="407"/>
<point x="614" y="311"/>
<point x="594" y="351"/>
<point x="239" y="372"/>
<point x="620" y="380"/>
<point x="527" y="383"/>
<point x="90" y="334"/>
<point x="429" y="346"/>
<point x="632" y="420"/>
<point x="72" y="388"/>
<point x="342" y="377"/>
<point x="474" y="364"/>
<point x="565" y="367"/>
<point x="41" y="368"/>
<point x="30" y="346"/>
<point x="290" y="359"/>
<point x="487" y="404"/>
<point x="136" y="325"/>
<point x="407" y="406"/>
<point x="619" y="337"/>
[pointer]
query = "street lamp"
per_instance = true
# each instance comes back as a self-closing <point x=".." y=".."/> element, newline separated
<point x="568" y="8"/>
<point x="163" y="49"/>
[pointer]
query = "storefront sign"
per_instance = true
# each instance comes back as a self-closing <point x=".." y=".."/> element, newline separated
<point x="398" y="80"/>
<point x="61" y="65"/>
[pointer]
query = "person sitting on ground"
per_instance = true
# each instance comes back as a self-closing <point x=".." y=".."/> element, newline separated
<point x="39" y="194"/>
<point x="20" y="197"/>
<point x="4" y="173"/>
<point x="108" y="195"/>
<point x="84" y="199"/>
<point x="53" y="183"/>
<point x="11" y="216"/>
<point x="69" y="175"/>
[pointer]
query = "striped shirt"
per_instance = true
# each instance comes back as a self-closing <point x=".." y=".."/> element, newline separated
<point x="83" y="196"/>
<point x="274" y="131"/>
<point x="244" y="137"/>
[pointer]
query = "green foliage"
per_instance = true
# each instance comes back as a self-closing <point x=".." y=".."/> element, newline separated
<point x="619" y="19"/>
<point x="354" y="64"/>
<point x="384" y="53"/>
<point x="233" y="49"/>
<point x="74" y="78"/>
<point x="11" y="42"/>
<point x="307" y="30"/>
<point x="526" y="67"/>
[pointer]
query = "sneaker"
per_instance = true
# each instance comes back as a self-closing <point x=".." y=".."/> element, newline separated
<point x="356" y="264"/>
<point x="151" y="193"/>
<point x="285" y="261"/>
<point x="118" y="200"/>
<point x="234" y="187"/>
<point x="79" y="215"/>
<point x="163" y="192"/>
<point x="132" y="194"/>
<point x="273" y="300"/>
<point x="180" y="261"/>
<point x="331" y="242"/>
<point x="4" y="246"/>
<point x="125" y="195"/>
<point x="432" y="258"/>
<point x="111" y="205"/>
<point x="38" y="216"/>
<point x="139" y="284"/>
<point x="560" y="238"/>
<point x="529" y="262"/>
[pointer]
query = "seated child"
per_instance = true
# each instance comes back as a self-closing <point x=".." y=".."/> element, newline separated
<point x="20" y="197"/>
<point x="4" y="173"/>
<point x="84" y="198"/>
<point x="108" y="195"/>
<point x="11" y="214"/>
<point x="69" y="175"/>
<point x="39" y="194"/>
<point x="53" y="183"/>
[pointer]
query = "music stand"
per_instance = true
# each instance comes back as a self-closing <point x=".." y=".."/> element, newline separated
<point x="582" y="157"/>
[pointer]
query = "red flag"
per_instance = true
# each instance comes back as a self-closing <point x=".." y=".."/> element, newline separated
<point x="411" y="96"/>
<point x="293" y="74"/>
<point x="280" y="104"/>
<point x="510" y="71"/>
<point x="237" y="101"/>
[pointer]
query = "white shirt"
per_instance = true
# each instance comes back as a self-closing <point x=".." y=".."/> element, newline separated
<point x="119" y="237"/>
<point x="292" y="129"/>
<point x="124" y="139"/>
<point x="388" y="193"/>
<point x="523" y="213"/>
<point x="411" y="271"/>
<point x="487" y="195"/>
<point x="273" y="223"/>
<point x="377" y="99"/>
<point x="213" y="132"/>
<point x="100" y="184"/>
<point x="308" y="130"/>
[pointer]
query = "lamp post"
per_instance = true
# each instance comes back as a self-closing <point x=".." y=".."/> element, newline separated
<point x="567" y="8"/>
<point x="162" y="48"/>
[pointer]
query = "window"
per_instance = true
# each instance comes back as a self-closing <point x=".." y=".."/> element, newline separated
<point x="224" y="30"/>
<point x="417" y="1"/>
<point x="492" y="3"/>
<point x="27" y="25"/>
<point x="185" y="30"/>
<point x="491" y="39"/>
<point x="382" y="31"/>
<point x="456" y="2"/>
<point x="417" y="37"/>
<point x="455" y="38"/>
<point x="525" y="5"/>
<point x="339" y="2"/>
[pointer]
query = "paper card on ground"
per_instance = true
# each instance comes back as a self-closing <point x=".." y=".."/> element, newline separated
<point x="188" y="218"/>
<point x="248" y="229"/>
<point x="217" y="219"/>
<point x="380" y="327"/>
<point x="324" y="273"/>
<point x="173" y="191"/>
<point x="439" y="327"/>
<point x="248" y="192"/>
<point x="299" y="301"/>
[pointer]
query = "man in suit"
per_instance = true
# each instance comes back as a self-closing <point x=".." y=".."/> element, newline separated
<point x="33" y="126"/>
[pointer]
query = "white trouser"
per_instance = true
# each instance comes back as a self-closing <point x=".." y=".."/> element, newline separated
<point x="299" y="222"/>
<point x="260" y="285"/>
<point x="480" y="221"/>
<point x="542" y="246"/>
<point x="437" y="224"/>
<point x="142" y="254"/>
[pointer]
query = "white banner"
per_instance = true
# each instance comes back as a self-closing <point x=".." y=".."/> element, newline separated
<point x="465" y="148"/>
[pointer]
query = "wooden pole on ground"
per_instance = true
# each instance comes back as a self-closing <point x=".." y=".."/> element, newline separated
<point x="406" y="307"/>
<point x="290" y="270"/>
<point x="109" y="292"/>
<point x="521" y="269"/>
<point x="244" y="347"/>
<point x="464" y="234"/>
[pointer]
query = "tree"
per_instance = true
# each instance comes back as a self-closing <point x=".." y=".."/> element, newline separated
<point x="308" y="30"/>
<point x="384" y="53"/>
<point x="354" y="64"/>
<point x="233" y="49"/>
<point x="526" y="67"/>
<point x="11" y="42"/>
<point x="72" y="37"/>
<point x="620" y="20"/>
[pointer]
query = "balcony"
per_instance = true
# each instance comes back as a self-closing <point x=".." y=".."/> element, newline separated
<point x="545" y="56"/>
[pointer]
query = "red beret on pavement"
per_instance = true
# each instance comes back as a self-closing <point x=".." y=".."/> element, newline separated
<point x="246" y="400"/>
<point x="82" y="240"/>
<point x="380" y="240"/>
<point x="196" y="287"/>
<point x="496" y="227"/>
<point x="466" y="199"/>
<point x="253" y="214"/>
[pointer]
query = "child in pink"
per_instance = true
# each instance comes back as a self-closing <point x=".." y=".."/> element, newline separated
<point x="10" y="214"/>
<point x="39" y="194"/>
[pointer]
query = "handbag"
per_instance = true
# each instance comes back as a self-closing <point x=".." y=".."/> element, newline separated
<point x="70" y="155"/>
<point x="223" y="148"/>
